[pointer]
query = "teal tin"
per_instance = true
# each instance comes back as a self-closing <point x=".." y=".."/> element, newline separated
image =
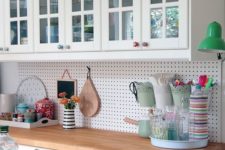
<point x="22" y="108"/>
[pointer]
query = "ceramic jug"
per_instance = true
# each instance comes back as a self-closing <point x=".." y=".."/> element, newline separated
<point x="143" y="92"/>
<point x="163" y="96"/>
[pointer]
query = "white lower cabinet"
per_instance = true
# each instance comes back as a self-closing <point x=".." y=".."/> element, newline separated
<point x="25" y="147"/>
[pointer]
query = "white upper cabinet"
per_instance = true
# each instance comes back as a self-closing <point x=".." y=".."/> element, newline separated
<point x="64" y="26"/>
<point x="147" y="24"/>
<point x="18" y="26"/>
<point x="164" y="24"/>
<point x="83" y="25"/>
<point x="121" y="24"/>
<point x="49" y="25"/>
<point x="106" y="29"/>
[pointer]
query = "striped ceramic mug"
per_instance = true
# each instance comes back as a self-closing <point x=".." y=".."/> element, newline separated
<point x="68" y="119"/>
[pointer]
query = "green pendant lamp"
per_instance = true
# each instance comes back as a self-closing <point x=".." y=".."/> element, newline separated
<point x="213" y="42"/>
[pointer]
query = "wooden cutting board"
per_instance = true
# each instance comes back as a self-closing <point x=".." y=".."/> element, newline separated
<point x="89" y="99"/>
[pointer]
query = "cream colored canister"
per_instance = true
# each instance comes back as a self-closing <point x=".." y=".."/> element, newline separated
<point x="7" y="102"/>
<point x="163" y="96"/>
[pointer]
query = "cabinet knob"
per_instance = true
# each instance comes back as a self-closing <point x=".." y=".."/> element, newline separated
<point x="135" y="44"/>
<point x="145" y="44"/>
<point x="60" y="46"/>
<point x="67" y="46"/>
<point x="6" y="49"/>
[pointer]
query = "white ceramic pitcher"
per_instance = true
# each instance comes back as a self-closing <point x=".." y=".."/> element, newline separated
<point x="160" y="82"/>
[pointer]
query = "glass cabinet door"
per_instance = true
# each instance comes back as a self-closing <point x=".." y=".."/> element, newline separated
<point x="49" y="25"/>
<point x="164" y="24"/>
<point x="18" y="36"/>
<point x="121" y="24"/>
<point x="83" y="25"/>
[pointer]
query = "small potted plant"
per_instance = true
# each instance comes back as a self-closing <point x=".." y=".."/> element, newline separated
<point x="69" y="106"/>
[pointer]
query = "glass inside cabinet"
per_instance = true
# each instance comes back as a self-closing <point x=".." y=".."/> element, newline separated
<point x="164" y="19"/>
<point x="48" y="21"/>
<point x="164" y="24"/>
<point x="18" y="22"/>
<point x="120" y="20"/>
<point x="82" y="20"/>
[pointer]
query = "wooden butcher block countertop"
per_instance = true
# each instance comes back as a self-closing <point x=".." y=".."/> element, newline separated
<point x="55" y="137"/>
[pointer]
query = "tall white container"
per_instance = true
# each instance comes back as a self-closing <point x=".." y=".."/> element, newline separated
<point x="160" y="82"/>
<point x="7" y="102"/>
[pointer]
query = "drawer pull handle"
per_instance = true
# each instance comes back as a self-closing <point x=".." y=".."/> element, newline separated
<point x="136" y="44"/>
<point x="60" y="46"/>
<point x="145" y="44"/>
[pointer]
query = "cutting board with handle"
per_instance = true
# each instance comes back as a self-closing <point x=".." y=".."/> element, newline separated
<point x="89" y="98"/>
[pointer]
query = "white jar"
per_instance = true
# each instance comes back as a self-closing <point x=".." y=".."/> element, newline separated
<point x="7" y="103"/>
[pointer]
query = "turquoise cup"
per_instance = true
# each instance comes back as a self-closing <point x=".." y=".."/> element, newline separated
<point x="143" y="92"/>
<point x="144" y="129"/>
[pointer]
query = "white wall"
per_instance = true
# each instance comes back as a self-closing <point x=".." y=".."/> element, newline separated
<point x="9" y="77"/>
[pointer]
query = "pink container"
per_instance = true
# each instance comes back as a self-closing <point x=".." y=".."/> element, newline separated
<point x="45" y="107"/>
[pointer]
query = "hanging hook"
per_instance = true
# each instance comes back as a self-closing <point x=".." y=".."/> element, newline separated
<point x="89" y="72"/>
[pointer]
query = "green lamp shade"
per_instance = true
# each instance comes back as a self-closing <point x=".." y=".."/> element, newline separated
<point x="213" y="42"/>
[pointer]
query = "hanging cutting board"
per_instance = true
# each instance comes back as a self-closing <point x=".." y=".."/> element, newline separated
<point x="89" y="98"/>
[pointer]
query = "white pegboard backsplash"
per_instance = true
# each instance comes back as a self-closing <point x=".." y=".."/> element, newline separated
<point x="112" y="83"/>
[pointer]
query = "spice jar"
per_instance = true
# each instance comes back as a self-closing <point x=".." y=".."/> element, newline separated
<point x="20" y="117"/>
<point x="14" y="117"/>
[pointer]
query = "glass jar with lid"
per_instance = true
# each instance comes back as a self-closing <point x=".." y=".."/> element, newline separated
<point x="6" y="142"/>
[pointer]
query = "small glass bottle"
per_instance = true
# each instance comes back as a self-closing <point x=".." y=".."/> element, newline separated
<point x="6" y="142"/>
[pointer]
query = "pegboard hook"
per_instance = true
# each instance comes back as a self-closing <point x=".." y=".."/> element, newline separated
<point x="89" y="72"/>
<point x="66" y="71"/>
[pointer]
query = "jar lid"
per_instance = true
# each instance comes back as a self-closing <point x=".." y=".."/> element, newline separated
<point x="4" y="129"/>
<point x="22" y="105"/>
<point x="44" y="101"/>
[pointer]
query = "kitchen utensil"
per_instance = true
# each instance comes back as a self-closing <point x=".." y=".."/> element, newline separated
<point x="161" y="88"/>
<point x="144" y="129"/>
<point x="143" y="92"/>
<point x="89" y="98"/>
<point x="7" y="102"/>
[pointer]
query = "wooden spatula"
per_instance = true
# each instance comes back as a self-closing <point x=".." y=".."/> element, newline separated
<point x="89" y="98"/>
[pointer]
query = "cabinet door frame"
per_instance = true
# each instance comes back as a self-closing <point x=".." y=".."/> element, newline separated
<point x="19" y="48"/>
<point x="120" y="44"/>
<point x="165" y="43"/>
<point x="49" y="47"/>
<point x="94" y="45"/>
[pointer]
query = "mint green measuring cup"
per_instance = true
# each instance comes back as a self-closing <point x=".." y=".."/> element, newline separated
<point x="143" y="92"/>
